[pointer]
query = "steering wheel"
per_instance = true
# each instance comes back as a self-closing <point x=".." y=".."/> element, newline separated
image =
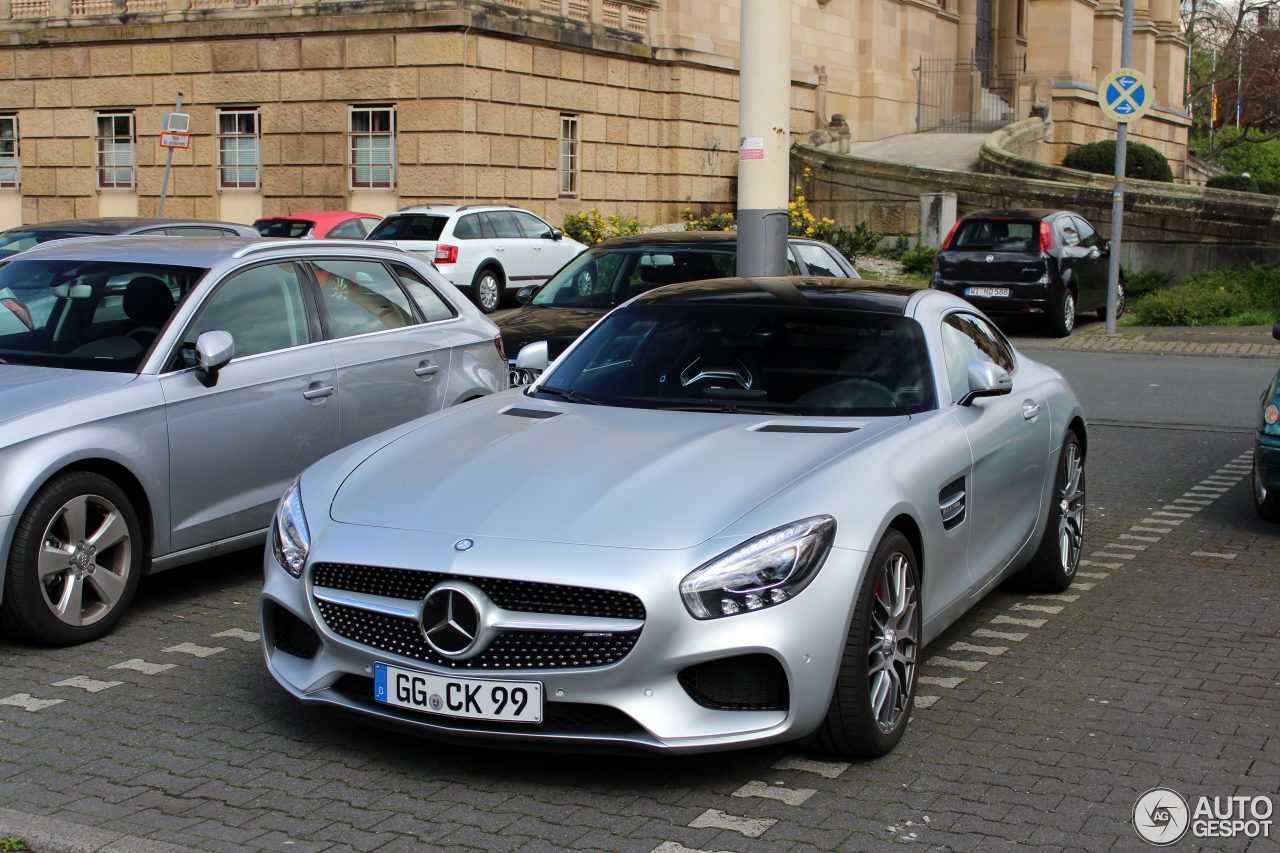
<point x="144" y="335"/>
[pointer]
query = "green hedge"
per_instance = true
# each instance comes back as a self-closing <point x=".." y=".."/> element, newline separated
<point x="1141" y="161"/>
<point x="1239" y="183"/>
<point x="1232" y="297"/>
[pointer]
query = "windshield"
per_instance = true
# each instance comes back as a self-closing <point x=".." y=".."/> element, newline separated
<point x="1000" y="235"/>
<point x="20" y="239"/>
<point x="284" y="227"/>
<point x="605" y="277"/>
<point x="89" y="315"/>
<point x="409" y="226"/>
<point x="749" y="358"/>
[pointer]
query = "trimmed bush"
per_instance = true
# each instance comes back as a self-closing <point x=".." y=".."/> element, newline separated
<point x="590" y="228"/>
<point x="1139" y="284"/>
<point x="1231" y="297"/>
<point x="710" y="222"/>
<point x="918" y="260"/>
<point x="1141" y="161"/>
<point x="1268" y="186"/>
<point x="1239" y="183"/>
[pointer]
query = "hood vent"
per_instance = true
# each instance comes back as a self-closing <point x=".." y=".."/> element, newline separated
<point x="805" y="428"/>
<point x="532" y="414"/>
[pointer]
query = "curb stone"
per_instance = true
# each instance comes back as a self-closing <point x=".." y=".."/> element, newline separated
<point x="51" y="835"/>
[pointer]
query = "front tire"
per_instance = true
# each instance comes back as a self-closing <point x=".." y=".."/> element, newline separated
<point x="1063" y="318"/>
<point x="1265" y="501"/>
<point x="1057" y="558"/>
<point x="876" y="684"/>
<point x="486" y="289"/>
<point x="75" y="562"/>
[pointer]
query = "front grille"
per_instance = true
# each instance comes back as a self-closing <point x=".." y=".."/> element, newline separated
<point x="511" y="650"/>
<point x="293" y="636"/>
<point x="566" y="717"/>
<point x="742" y="683"/>
<point x="522" y="596"/>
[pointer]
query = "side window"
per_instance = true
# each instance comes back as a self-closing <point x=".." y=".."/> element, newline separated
<point x="503" y="225"/>
<point x="261" y="307"/>
<point x="967" y="338"/>
<point x="531" y="226"/>
<point x="431" y="303"/>
<point x="197" y="231"/>
<point x="1088" y="237"/>
<point x="349" y="230"/>
<point x="366" y="225"/>
<point x="361" y="297"/>
<point x="1070" y="236"/>
<point x="674" y="266"/>
<point x="468" y="228"/>
<point x="817" y="260"/>
<point x="793" y="268"/>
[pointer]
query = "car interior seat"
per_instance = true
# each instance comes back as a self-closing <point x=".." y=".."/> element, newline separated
<point x="148" y="302"/>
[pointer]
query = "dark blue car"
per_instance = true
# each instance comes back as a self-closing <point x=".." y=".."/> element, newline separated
<point x="1266" y="452"/>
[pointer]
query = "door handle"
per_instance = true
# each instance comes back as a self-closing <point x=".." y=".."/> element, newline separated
<point x="426" y="368"/>
<point x="315" y="391"/>
<point x="1030" y="410"/>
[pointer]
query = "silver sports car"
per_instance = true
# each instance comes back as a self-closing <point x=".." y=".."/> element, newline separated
<point x="732" y="513"/>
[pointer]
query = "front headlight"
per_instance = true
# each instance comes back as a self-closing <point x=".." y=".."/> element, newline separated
<point x="761" y="572"/>
<point x="290" y="538"/>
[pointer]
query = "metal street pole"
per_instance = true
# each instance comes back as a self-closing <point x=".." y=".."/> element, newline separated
<point x="1117" y="195"/>
<point x="764" y="136"/>
<point x="168" y="164"/>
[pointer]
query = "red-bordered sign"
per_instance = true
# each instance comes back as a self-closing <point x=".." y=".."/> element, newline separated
<point x="175" y="140"/>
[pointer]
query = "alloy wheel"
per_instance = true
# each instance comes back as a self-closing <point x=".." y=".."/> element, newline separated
<point x="1071" y="511"/>
<point x="487" y="292"/>
<point x="894" y="642"/>
<point x="1068" y="311"/>
<point x="84" y="560"/>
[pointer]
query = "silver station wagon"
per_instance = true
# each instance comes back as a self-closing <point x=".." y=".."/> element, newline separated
<point x="158" y="395"/>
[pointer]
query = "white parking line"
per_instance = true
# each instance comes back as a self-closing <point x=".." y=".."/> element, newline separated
<point x="1084" y="586"/>
<point x="139" y="665"/>
<point x="1162" y="522"/>
<point x="1058" y="596"/>
<point x="1039" y="608"/>
<point x="1196" y="502"/>
<point x="89" y="684"/>
<point x="677" y="847"/>
<point x="1100" y="565"/>
<point x="1220" y="481"/>
<point x="829" y="769"/>
<point x="1213" y="556"/>
<point x="27" y="702"/>
<point x="1015" y="636"/>
<point x="1129" y="546"/>
<point x="1184" y="512"/>
<point x="967" y="665"/>
<point x="790" y="796"/>
<point x="751" y="827"/>
<point x="1139" y="538"/>
<point x="982" y="650"/>
<point x="1216" y="490"/>
<point x="1141" y="529"/>
<point x="939" y="681"/>
<point x="239" y="634"/>
<point x="1095" y="575"/>
<point x="1112" y="555"/>
<point x="926" y="701"/>
<point x="1013" y="620"/>
<point x="193" y="649"/>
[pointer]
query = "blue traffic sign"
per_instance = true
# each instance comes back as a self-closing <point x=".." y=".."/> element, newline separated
<point x="1125" y="95"/>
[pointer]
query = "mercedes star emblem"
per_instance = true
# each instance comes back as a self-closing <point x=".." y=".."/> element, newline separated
<point x="453" y="620"/>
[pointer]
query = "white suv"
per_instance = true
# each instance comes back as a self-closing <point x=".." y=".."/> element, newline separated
<point x="482" y="248"/>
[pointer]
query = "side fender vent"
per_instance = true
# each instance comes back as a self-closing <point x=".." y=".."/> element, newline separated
<point x="951" y="503"/>
<point x="532" y="414"/>
<point x="805" y="428"/>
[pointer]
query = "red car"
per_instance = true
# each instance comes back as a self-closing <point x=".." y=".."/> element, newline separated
<point x="319" y="223"/>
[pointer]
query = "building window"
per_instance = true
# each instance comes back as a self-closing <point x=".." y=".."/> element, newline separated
<point x="569" y="155"/>
<point x="10" y="165"/>
<point x="373" y="148"/>
<point x="115" y="144"/>
<point x="1022" y="17"/>
<point x="239" y="149"/>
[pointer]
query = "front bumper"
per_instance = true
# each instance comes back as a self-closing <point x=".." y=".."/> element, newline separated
<point x="1267" y="458"/>
<point x="638" y="702"/>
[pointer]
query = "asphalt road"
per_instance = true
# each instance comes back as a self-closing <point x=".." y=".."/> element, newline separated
<point x="1040" y="720"/>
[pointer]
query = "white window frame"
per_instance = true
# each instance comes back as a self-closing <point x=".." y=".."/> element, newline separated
<point x="10" y="152"/>
<point x="361" y="145"/>
<point x="239" y="150"/>
<point x="108" y="149"/>
<point x="569" y="165"/>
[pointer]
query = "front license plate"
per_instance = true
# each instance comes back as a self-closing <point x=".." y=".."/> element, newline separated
<point x="469" y="698"/>
<point x="986" y="291"/>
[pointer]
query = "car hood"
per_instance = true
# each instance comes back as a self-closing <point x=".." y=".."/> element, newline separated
<point x="25" y="389"/>
<point x="592" y="475"/>
<point x="559" y="327"/>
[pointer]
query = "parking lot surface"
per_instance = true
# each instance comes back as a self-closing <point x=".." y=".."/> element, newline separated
<point x="1040" y="719"/>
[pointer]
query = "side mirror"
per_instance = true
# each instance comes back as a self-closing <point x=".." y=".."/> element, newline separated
<point x="556" y="234"/>
<point x="525" y="294"/>
<point x="213" y="351"/>
<point x="986" y="379"/>
<point x="533" y="357"/>
<point x="1275" y="330"/>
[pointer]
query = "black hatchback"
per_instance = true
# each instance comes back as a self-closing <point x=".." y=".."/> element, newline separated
<point x="1050" y="263"/>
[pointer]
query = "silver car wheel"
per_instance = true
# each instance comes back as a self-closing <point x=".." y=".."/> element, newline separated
<point x="894" y="642"/>
<point x="488" y="292"/>
<point x="1068" y="311"/>
<point x="85" y="560"/>
<point x="1071" y="511"/>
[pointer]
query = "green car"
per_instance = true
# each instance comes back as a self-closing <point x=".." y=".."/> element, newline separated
<point x="1266" y="455"/>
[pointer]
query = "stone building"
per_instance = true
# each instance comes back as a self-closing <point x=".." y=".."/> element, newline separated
<point x="629" y="106"/>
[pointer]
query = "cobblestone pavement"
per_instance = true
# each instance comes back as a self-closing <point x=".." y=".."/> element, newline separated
<point x="1040" y="719"/>
<point x="1235" y="341"/>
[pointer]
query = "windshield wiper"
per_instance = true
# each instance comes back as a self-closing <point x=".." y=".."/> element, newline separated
<point x="726" y="407"/>
<point x="569" y="394"/>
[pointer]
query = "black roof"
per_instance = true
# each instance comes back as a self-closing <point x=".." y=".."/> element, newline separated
<point x="1016" y="213"/>
<point x="803" y="291"/>
<point x="109" y="224"/>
